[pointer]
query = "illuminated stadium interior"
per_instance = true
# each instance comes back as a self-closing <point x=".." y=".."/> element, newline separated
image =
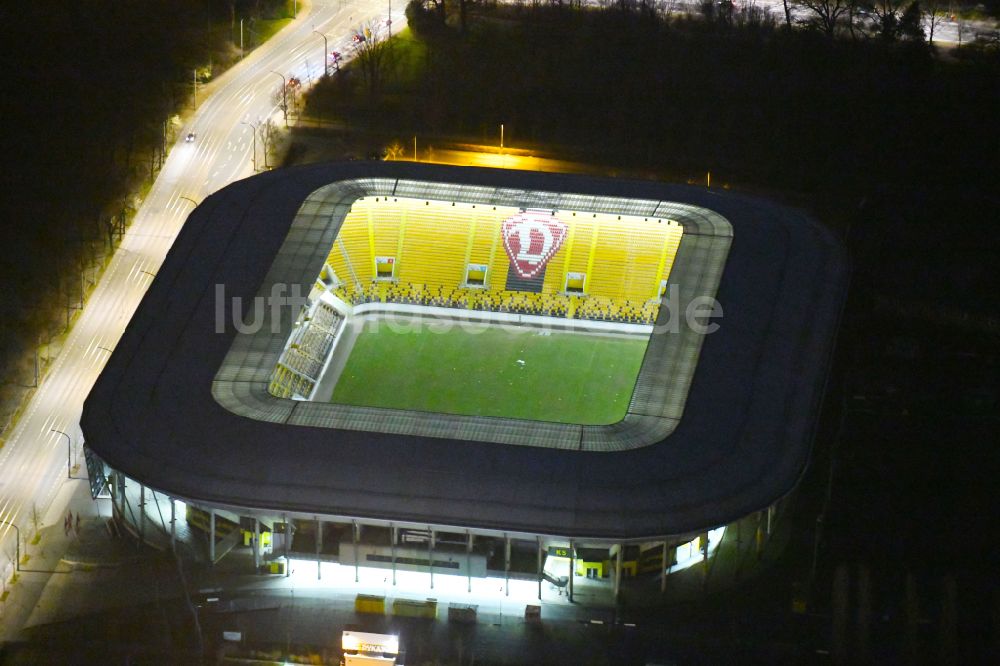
<point x="535" y="282"/>
<point x="507" y="316"/>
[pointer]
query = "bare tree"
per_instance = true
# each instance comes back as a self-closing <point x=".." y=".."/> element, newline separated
<point x="280" y="97"/>
<point x="10" y="555"/>
<point x="394" y="151"/>
<point x="933" y="10"/>
<point x="895" y="19"/>
<point x="267" y="132"/>
<point x="294" y="88"/>
<point x="371" y="50"/>
<point x="826" y="15"/>
<point x="36" y="518"/>
<point x="853" y="11"/>
<point x="962" y="29"/>
<point x="750" y="15"/>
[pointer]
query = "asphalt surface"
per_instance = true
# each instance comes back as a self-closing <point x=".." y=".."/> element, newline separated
<point x="33" y="460"/>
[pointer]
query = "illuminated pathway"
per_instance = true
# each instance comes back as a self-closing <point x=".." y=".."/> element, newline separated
<point x="33" y="462"/>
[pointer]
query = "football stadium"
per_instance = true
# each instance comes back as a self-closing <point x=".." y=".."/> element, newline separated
<point x="487" y="302"/>
<point x="420" y="368"/>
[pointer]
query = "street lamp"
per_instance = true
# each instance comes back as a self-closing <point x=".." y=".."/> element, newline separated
<point x="181" y="196"/>
<point x="253" y="130"/>
<point x="69" y="452"/>
<point x="17" y="564"/>
<point x="326" y="49"/>
<point x="284" y="98"/>
<point x="502" y="162"/>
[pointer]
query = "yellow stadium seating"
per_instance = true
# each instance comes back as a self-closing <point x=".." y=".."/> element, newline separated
<point x="301" y="363"/>
<point x="408" y="251"/>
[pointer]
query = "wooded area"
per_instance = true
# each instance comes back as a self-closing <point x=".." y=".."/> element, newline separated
<point x="90" y="90"/>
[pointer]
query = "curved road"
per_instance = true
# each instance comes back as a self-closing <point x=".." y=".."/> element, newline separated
<point x="33" y="463"/>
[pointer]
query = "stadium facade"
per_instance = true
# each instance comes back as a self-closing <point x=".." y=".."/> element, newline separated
<point x="226" y="418"/>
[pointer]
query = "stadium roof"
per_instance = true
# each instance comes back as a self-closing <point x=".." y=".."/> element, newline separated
<point x="742" y="440"/>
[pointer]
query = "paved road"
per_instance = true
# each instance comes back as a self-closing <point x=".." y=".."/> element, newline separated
<point x="33" y="463"/>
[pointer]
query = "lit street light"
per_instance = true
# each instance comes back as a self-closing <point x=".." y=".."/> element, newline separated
<point x="17" y="564"/>
<point x="326" y="49"/>
<point x="253" y="130"/>
<point x="284" y="98"/>
<point x="501" y="144"/>
<point x="69" y="452"/>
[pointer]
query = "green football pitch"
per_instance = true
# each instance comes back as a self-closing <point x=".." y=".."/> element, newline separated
<point x="490" y="371"/>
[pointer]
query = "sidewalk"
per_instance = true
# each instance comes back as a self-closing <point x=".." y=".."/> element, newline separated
<point x="72" y="575"/>
<point x="61" y="558"/>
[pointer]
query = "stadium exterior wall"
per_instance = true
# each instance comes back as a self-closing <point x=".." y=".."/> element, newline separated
<point x="743" y="440"/>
